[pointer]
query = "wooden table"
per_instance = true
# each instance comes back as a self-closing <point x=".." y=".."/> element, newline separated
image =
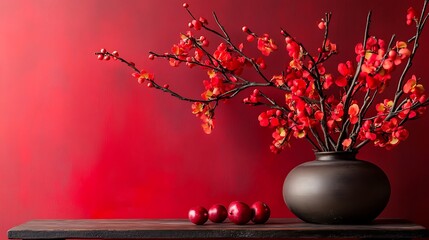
<point x="183" y="229"/>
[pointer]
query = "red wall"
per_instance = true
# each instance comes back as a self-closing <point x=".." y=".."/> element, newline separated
<point x="79" y="138"/>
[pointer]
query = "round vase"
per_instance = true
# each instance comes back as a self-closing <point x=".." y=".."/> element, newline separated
<point x="336" y="188"/>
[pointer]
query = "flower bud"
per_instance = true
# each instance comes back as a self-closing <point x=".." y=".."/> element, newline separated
<point x="321" y="25"/>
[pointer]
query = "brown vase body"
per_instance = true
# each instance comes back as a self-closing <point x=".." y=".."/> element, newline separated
<point x="336" y="188"/>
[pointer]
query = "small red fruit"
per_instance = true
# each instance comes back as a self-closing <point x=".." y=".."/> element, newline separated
<point x="198" y="215"/>
<point x="185" y="5"/>
<point x="217" y="213"/>
<point x="151" y="57"/>
<point x="239" y="213"/>
<point x="261" y="212"/>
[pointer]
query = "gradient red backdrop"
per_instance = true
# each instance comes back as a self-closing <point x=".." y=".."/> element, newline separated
<point x="79" y="138"/>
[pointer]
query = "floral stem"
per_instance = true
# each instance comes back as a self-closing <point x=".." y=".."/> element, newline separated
<point x="399" y="92"/>
<point x="350" y="90"/>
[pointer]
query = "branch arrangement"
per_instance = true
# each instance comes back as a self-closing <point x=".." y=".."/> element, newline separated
<point x="334" y="112"/>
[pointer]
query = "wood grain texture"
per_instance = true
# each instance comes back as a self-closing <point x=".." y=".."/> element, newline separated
<point x="183" y="229"/>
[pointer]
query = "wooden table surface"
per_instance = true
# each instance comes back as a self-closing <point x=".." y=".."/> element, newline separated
<point x="183" y="229"/>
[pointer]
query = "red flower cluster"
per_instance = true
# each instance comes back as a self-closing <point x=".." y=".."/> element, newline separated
<point x="205" y="113"/>
<point x="331" y="110"/>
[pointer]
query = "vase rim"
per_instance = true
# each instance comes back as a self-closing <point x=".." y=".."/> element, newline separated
<point x="332" y="155"/>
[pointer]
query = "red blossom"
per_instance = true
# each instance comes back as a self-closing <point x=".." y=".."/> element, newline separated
<point x="330" y="47"/>
<point x="346" y="143"/>
<point x="338" y="112"/>
<point x="328" y="81"/>
<point x="229" y="60"/>
<point x="266" y="45"/>
<point x="346" y="70"/>
<point x="143" y="75"/>
<point x="401" y="133"/>
<point x="353" y="113"/>
<point x="310" y="109"/>
<point x="278" y="80"/>
<point x="294" y="50"/>
<point x="298" y="87"/>
<point x="411" y="16"/>
<point x="204" y="112"/>
<point x="215" y="86"/>
<point x="414" y="89"/>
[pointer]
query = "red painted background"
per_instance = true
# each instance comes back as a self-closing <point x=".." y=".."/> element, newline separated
<point x="79" y="138"/>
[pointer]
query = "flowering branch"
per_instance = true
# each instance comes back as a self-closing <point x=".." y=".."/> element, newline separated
<point x="399" y="91"/>
<point x="352" y="85"/>
<point x="310" y="110"/>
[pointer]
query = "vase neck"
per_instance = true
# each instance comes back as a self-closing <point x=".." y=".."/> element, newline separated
<point x="326" y="156"/>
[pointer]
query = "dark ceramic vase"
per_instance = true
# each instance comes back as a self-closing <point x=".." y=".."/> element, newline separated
<point x="336" y="188"/>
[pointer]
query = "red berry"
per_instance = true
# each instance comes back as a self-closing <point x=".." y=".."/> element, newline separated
<point x="166" y="86"/>
<point x="149" y="84"/>
<point x="151" y="57"/>
<point x="190" y="25"/>
<point x="106" y="57"/>
<point x="245" y="29"/>
<point x="205" y="43"/>
<point x="115" y="53"/>
<point x="198" y="215"/>
<point x="217" y="213"/>
<point x="261" y="211"/>
<point x="239" y="213"/>
<point x="262" y="66"/>
<point x="278" y="113"/>
<point x="100" y="56"/>
<point x="103" y="50"/>
<point x="185" y="5"/>
<point x="250" y="38"/>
